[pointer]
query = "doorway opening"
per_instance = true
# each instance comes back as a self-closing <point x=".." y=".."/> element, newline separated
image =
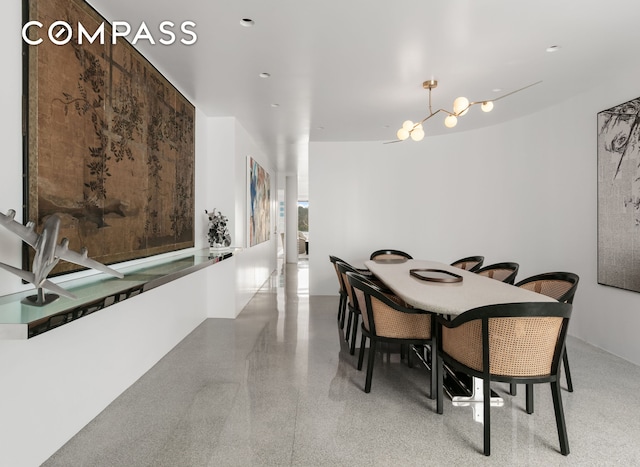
<point x="303" y="230"/>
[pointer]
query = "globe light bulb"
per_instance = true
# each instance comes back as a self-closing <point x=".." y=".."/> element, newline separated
<point x="407" y="125"/>
<point x="487" y="106"/>
<point x="450" y="121"/>
<point x="461" y="106"/>
<point x="417" y="134"/>
<point x="402" y="134"/>
<point x="418" y="126"/>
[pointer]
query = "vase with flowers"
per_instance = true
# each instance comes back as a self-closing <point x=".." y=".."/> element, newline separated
<point x="218" y="234"/>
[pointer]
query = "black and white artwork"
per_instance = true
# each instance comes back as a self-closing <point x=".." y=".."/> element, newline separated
<point x="619" y="196"/>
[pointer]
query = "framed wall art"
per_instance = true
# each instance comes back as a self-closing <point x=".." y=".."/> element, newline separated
<point x="109" y="145"/>
<point x="259" y="197"/>
<point x="619" y="196"/>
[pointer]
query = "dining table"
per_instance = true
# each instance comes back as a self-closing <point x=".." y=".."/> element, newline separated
<point x="446" y="290"/>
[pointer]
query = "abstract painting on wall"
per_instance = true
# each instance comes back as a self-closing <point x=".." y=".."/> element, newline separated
<point x="619" y="196"/>
<point x="110" y="142"/>
<point x="259" y="203"/>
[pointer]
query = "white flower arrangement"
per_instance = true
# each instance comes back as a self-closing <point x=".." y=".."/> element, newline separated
<point x="218" y="234"/>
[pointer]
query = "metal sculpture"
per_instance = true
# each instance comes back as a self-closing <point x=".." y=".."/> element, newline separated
<point x="47" y="255"/>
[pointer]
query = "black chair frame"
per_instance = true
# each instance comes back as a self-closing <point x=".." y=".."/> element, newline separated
<point x="505" y="265"/>
<point x="504" y="310"/>
<point x="342" y="305"/>
<point x="353" y="308"/>
<point x="567" y="297"/>
<point x="372" y="290"/>
<point x="470" y="259"/>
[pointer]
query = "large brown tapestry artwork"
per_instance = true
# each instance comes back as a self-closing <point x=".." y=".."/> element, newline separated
<point x="110" y="143"/>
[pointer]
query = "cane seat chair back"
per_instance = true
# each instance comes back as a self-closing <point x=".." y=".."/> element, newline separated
<point x="342" y="304"/>
<point x="470" y="263"/>
<point x="386" y="319"/>
<point x="504" y="272"/>
<point x="559" y="285"/>
<point x="513" y="343"/>
<point x="352" y="304"/>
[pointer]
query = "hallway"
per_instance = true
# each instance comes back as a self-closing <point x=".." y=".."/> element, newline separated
<point x="277" y="387"/>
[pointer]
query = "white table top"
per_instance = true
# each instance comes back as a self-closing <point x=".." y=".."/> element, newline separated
<point x="448" y="298"/>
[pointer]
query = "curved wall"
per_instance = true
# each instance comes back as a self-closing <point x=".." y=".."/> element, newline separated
<point x="522" y="191"/>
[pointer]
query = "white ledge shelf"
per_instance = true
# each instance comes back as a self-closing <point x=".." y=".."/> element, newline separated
<point x="22" y="321"/>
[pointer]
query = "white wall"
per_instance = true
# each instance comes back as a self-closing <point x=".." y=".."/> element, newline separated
<point x="291" y="220"/>
<point x="53" y="384"/>
<point x="254" y="265"/>
<point x="523" y="191"/>
<point x="225" y="176"/>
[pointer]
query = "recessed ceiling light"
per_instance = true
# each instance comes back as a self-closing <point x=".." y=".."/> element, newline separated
<point x="265" y="75"/>
<point x="247" y="22"/>
<point x="275" y="105"/>
<point x="497" y="90"/>
<point x="553" y="48"/>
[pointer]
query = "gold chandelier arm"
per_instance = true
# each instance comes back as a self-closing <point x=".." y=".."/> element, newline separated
<point x="416" y="131"/>
<point x="431" y="115"/>
<point x="496" y="99"/>
<point x="507" y="94"/>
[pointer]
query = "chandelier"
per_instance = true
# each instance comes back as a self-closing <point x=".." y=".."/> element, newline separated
<point x="460" y="107"/>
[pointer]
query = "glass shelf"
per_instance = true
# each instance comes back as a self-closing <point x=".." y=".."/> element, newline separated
<point x="20" y="321"/>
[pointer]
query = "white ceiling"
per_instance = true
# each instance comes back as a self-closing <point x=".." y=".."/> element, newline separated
<point x="352" y="70"/>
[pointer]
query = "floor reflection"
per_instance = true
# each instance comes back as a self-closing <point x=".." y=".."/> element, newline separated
<point x="277" y="386"/>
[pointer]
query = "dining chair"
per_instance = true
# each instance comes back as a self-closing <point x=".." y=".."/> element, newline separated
<point x="470" y="263"/>
<point x="385" y="319"/>
<point x="504" y="272"/>
<point x="342" y="305"/>
<point x="389" y="254"/>
<point x="559" y="285"/>
<point x="341" y="290"/>
<point x="352" y="305"/>
<point x="508" y="342"/>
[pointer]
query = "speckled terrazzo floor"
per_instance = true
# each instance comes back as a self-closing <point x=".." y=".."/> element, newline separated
<point x="277" y="386"/>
